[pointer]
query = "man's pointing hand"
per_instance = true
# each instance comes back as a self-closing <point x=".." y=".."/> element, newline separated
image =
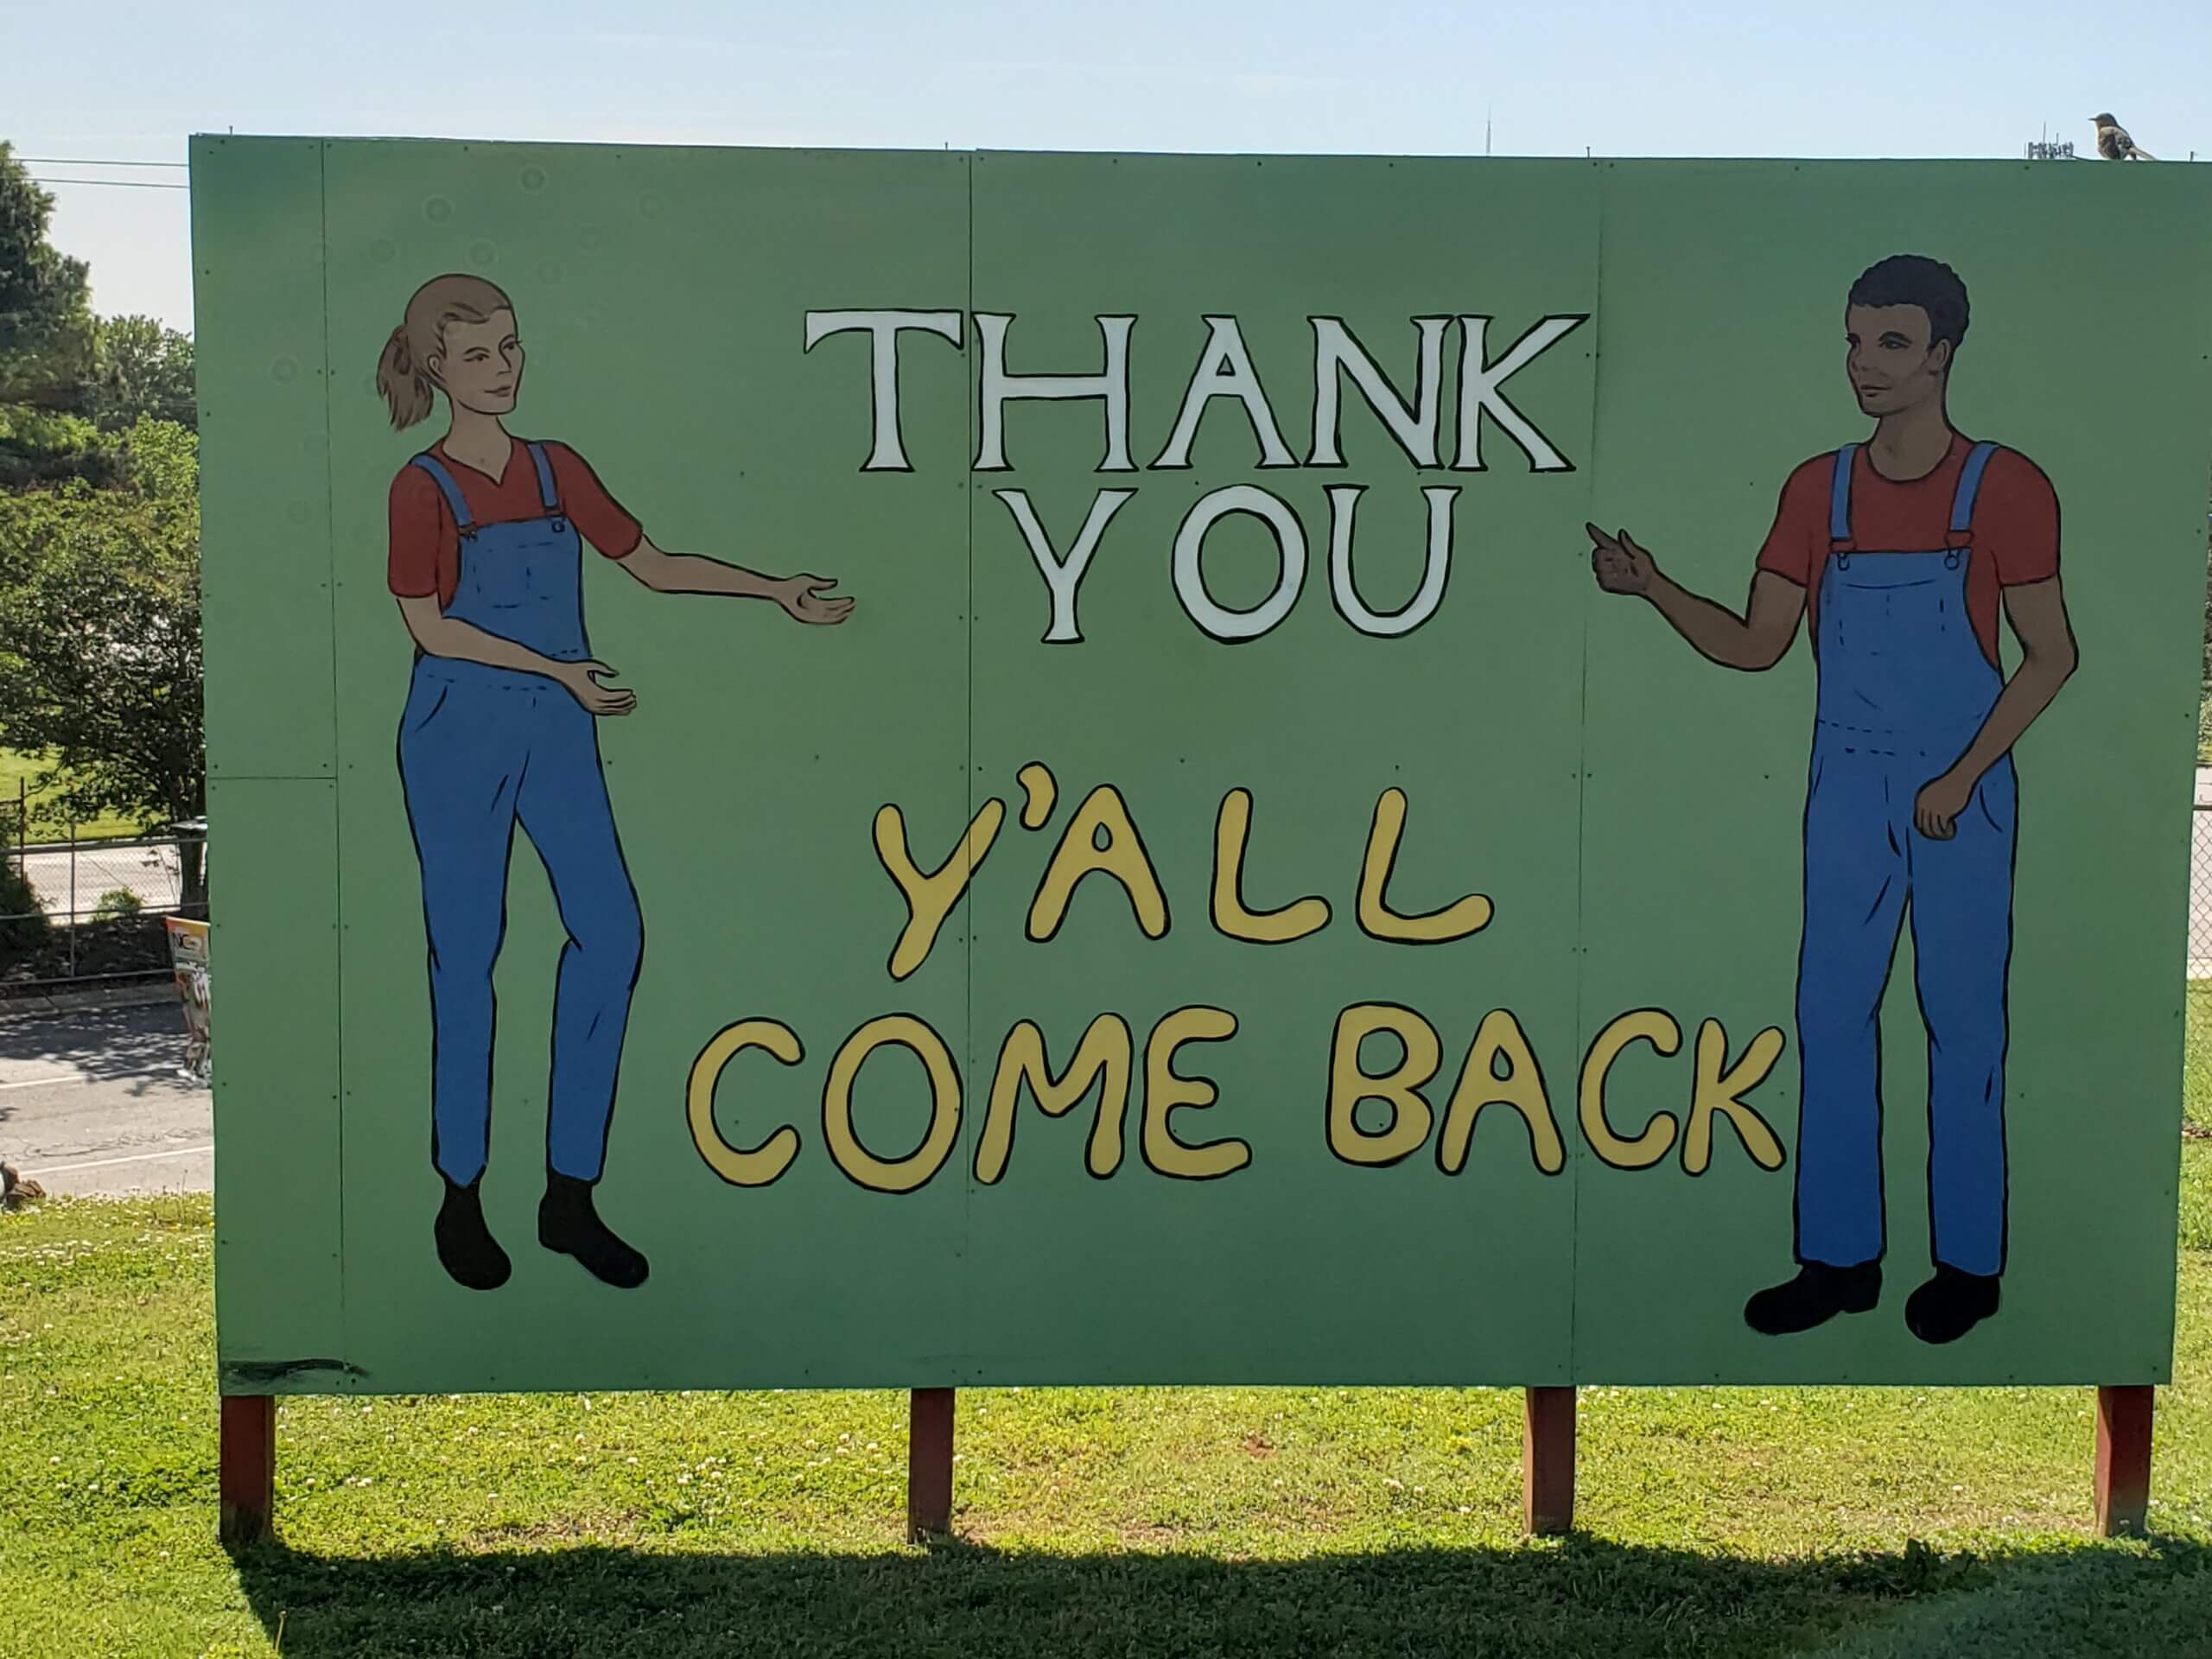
<point x="1620" y="565"/>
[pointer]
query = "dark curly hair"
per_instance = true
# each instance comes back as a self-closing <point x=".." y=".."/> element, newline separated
<point x="1914" y="279"/>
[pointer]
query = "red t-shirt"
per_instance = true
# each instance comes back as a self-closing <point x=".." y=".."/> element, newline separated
<point x="2015" y="526"/>
<point x="426" y="542"/>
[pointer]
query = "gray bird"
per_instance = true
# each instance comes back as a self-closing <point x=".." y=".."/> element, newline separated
<point x="2114" y="144"/>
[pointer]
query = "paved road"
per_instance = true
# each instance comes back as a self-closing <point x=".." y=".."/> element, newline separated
<point x="95" y="868"/>
<point x="93" y="1102"/>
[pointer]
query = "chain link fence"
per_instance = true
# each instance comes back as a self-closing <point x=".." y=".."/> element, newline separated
<point x="92" y="910"/>
<point x="2196" y="1074"/>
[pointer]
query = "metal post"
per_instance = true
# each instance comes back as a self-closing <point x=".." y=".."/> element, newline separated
<point x="246" y="1461"/>
<point x="928" y="1463"/>
<point x="1547" y="1462"/>
<point x="72" y="898"/>
<point x="2123" y="1461"/>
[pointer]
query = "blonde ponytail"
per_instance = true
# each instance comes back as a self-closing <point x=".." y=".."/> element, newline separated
<point x="406" y="387"/>
<point x="403" y="370"/>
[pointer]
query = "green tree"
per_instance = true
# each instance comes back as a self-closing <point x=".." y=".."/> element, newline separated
<point x="46" y="343"/>
<point x="142" y="369"/>
<point x="46" y="319"/>
<point x="99" y="635"/>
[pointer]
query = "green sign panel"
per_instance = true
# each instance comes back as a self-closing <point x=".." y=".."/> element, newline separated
<point x="924" y="769"/>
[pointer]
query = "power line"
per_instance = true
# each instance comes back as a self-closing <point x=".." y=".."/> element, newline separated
<point x="113" y="184"/>
<point x="73" y="161"/>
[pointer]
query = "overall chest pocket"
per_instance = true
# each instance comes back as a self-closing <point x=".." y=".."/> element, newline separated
<point x="491" y="576"/>
<point x="534" y="564"/>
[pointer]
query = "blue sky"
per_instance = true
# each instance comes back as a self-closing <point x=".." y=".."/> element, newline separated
<point x="1695" y="78"/>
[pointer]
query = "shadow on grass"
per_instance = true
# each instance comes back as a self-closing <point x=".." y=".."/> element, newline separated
<point x="1580" y="1598"/>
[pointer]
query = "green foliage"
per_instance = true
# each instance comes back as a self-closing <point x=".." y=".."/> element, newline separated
<point x="2196" y="1197"/>
<point x="118" y="904"/>
<point x="24" y="772"/>
<point x="47" y="333"/>
<point x="2196" y="1074"/>
<point x="41" y="447"/>
<point x="99" y="633"/>
<point x="23" y="925"/>
<point x="66" y="378"/>
<point x="99" y="539"/>
<point x="143" y="371"/>
<point x="46" y="319"/>
<point x="159" y="460"/>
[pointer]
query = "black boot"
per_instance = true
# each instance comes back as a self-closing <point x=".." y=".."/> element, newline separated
<point x="1816" y="1295"/>
<point x="1950" y="1305"/>
<point x="466" y="1246"/>
<point x="567" y="1223"/>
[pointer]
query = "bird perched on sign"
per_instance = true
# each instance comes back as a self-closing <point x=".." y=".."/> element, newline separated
<point x="2114" y="144"/>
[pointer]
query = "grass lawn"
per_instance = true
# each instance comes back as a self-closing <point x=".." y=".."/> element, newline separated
<point x="16" y="767"/>
<point x="2197" y="1057"/>
<point x="1871" y="1524"/>
<point x="2197" y="1068"/>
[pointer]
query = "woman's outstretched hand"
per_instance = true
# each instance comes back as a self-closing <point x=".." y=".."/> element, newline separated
<point x="808" y="599"/>
<point x="597" y="699"/>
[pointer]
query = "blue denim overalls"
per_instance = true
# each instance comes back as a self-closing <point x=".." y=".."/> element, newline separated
<point x="1905" y="686"/>
<point x="480" y="748"/>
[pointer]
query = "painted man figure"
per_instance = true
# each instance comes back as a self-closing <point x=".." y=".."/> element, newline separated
<point x="1902" y="550"/>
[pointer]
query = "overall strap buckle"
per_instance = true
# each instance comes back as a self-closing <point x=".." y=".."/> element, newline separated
<point x="1839" y="500"/>
<point x="1969" y="491"/>
<point x="449" y="488"/>
<point x="548" y="497"/>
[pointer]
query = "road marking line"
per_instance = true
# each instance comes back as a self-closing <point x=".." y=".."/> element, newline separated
<point x="43" y="1083"/>
<point x="103" y="1163"/>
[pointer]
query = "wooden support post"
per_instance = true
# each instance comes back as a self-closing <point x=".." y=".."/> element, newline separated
<point x="1547" y="1462"/>
<point x="928" y="1463"/>
<point x="246" y="1462"/>
<point x="2123" y="1461"/>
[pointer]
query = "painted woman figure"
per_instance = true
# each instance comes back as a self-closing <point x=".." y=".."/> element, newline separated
<point x="487" y="534"/>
